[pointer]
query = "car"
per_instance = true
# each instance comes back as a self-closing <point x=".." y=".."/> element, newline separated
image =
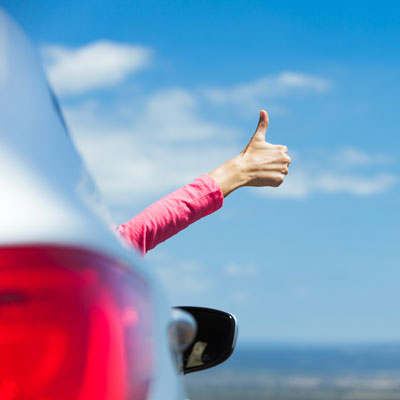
<point x="81" y="317"/>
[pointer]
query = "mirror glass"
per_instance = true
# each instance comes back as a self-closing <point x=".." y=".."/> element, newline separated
<point x="214" y="341"/>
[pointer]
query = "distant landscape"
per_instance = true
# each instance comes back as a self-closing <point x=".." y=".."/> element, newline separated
<point x="302" y="372"/>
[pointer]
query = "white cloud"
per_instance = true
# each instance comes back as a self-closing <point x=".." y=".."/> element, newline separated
<point x="351" y="157"/>
<point x="250" y="95"/>
<point x="362" y="186"/>
<point x="335" y="172"/>
<point x="184" y="279"/>
<point x="160" y="146"/>
<point x="241" y="297"/>
<point x="98" y="65"/>
<point x="242" y="271"/>
<point x="190" y="281"/>
<point x="172" y="115"/>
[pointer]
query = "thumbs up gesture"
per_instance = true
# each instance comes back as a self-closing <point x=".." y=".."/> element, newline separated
<point x="259" y="164"/>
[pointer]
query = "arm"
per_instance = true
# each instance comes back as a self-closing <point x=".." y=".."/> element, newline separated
<point x="259" y="164"/>
<point x="172" y="213"/>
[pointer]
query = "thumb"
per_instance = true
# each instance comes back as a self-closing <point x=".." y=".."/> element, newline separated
<point x="262" y="126"/>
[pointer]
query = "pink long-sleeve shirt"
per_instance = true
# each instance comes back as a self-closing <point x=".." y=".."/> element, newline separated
<point x="172" y="213"/>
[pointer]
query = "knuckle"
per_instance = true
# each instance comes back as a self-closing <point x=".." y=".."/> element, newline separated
<point x="278" y="180"/>
<point x="262" y="125"/>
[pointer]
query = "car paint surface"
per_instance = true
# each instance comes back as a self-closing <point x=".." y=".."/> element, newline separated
<point x="47" y="195"/>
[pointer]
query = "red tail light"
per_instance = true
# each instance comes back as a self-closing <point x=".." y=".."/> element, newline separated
<point x="74" y="325"/>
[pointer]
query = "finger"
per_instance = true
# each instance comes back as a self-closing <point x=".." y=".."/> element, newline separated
<point x="281" y="148"/>
<point x="261" y="127"/>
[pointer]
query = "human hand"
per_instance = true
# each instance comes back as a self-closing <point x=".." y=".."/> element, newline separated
<point x="263" y="163"/>
<point x="259" y="164"/>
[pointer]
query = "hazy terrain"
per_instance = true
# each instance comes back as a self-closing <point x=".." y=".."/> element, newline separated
<point x="287" y="372"/>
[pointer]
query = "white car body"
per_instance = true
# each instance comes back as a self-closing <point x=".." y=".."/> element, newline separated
<point x="47" y="196"/>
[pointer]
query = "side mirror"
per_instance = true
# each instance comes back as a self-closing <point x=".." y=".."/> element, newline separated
<point x="215" y="339"/>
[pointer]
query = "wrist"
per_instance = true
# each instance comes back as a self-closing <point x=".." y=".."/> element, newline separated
<point x="229" y="176"/>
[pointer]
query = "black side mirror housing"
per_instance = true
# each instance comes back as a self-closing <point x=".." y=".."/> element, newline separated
<point x="215" y="339"/>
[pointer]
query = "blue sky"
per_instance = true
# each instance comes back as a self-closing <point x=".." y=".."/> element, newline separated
<point x="156" y="93"/>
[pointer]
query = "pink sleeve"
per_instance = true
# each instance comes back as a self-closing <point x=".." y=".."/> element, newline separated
<point x="171" y="214"/>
